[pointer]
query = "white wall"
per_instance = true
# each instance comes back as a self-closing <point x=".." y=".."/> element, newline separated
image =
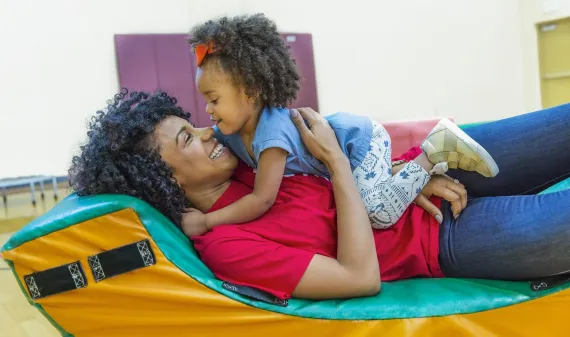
<point x="414" y="59"/>
<point x="387" y="59"/>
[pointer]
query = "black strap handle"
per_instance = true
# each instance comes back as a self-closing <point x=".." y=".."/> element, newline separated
<point x="255" y="294"/>
<point x="121" y="260"/>
<point x="549" y="282"/>
<point x="56" y="280"/>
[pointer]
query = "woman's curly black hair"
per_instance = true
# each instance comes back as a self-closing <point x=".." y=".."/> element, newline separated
<point x="255" y="56"/>
<point x="121" y="156"/>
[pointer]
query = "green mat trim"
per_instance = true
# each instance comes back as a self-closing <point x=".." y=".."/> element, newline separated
<point x="37" y="305"/>
<point x="401" y="299"/>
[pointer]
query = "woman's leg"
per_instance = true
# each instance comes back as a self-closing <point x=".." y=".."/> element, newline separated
<point x="531" y="150"/>
<point x="510" y="238"/>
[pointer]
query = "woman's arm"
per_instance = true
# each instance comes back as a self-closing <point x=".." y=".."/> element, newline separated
<point x="267" y="181"/>
<point x="355" y="271"/>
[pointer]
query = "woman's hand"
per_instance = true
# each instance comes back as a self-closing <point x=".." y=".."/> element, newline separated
<point x="446" y="188"/>
<point x="355" y="270"/>
<point x="318" y="136"/>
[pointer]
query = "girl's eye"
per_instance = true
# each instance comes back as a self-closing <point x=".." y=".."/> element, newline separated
<point x="214" y="101"/>
<point x="188" y="138"/>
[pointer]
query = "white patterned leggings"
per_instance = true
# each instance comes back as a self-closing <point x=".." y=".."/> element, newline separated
<point x="386" y="197"/>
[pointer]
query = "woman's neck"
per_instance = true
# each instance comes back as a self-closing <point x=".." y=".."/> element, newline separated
<point x="205" y="199"/>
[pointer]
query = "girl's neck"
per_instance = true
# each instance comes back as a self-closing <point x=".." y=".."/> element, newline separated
<point x="248" y="130"/>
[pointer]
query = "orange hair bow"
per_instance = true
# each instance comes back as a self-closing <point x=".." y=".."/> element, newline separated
<point x="202" y="50"/>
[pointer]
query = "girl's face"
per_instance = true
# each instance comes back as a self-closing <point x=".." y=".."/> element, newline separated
<point x="227" y="105"/>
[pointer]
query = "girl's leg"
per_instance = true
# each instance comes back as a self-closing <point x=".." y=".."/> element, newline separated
<point x="387" y="196"/>
<point x="531" y="150"/>
<point x="510" y="238"/>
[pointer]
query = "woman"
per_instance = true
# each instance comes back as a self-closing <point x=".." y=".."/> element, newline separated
<point x="316" y="242"/>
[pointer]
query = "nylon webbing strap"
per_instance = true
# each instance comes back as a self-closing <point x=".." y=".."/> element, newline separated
<point x="549" y="282"/>
<point x="121" y="260"/>
<point x="56" y="280"/>
<point x="255" y="294"/>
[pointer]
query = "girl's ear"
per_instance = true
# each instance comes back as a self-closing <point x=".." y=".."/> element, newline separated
<point x="253" y="97"/>
<point x="250" y="94"/>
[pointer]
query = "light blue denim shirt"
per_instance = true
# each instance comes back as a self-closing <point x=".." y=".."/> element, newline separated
<point x="276" y="129"/>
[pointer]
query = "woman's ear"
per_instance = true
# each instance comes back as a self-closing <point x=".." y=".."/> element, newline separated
<point x="175" y="181"/>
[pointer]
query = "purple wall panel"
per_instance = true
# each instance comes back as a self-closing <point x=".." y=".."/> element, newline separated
<point x="302" y="51"/>
<point x="161" y="61"/>
<point x="176" y="72"/>
<point x="136" y="62"/>
<point x="200" y="101"/>
<point x="165" y="61"/>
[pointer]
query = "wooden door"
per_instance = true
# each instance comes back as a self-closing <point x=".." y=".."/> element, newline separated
<point x="554" y="56"/>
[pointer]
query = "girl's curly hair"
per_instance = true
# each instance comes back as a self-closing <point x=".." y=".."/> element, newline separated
<point x="121" y="155"/>
<point x="251" y="51"/>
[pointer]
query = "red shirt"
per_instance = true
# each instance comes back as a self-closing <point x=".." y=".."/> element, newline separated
<point x="272" y="252"/>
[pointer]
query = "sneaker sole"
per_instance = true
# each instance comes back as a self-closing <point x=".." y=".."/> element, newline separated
<point x="473" y="145"/>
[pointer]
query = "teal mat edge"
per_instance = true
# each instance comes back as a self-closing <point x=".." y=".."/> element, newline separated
<point x="389" y="304"/>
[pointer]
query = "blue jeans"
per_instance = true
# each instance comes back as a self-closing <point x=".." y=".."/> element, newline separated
<point x="506" y="231"/>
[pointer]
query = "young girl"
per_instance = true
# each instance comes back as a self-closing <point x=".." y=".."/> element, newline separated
<point x="247" y="76"/>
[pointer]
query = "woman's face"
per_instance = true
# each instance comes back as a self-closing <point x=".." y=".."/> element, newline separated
<point x="196" y="158"/>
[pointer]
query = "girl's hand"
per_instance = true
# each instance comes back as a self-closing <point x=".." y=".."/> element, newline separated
<point x="194" y="222"/>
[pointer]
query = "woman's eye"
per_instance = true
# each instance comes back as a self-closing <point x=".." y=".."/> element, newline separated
<point x="214" y="101"/>
<point x="188" y="138"/>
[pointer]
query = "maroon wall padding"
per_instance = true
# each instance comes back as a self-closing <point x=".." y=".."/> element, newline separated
<point x="150" y="62"/>
<point x="302" y="51"/>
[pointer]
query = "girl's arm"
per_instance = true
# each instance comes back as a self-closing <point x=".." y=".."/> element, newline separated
<point x="270" y="169"/>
